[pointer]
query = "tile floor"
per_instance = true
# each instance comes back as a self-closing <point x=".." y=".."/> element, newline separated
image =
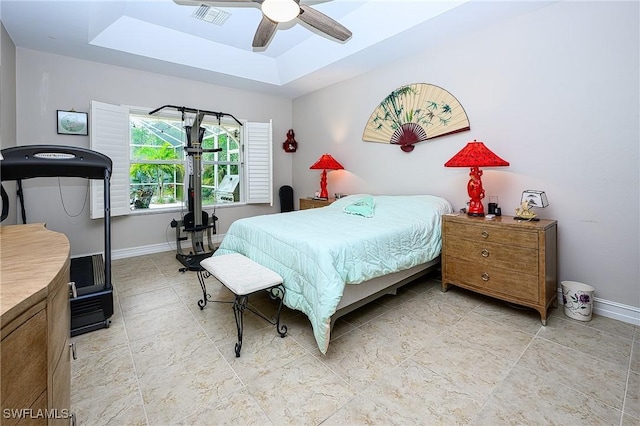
<point x="420" y="357"/>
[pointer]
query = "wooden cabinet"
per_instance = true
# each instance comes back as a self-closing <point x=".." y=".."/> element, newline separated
<point x="35" y="314"/>
<point x="310" y="203"/>
<point x="512" y="260"/>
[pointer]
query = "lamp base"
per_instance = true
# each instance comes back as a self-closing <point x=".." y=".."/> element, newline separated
<point x="323" y="185"/>
<point x="476" y="193"/>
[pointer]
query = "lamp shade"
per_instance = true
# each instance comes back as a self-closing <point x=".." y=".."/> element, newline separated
<point x="326" y="162"/>
<point x="475" y="154"/>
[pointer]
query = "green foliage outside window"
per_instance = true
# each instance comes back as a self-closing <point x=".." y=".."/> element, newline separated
<point x="157" y="174"/>
<point x="157" y="169"/>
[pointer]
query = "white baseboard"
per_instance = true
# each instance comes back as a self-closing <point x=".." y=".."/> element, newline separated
<point x="609" y="309"/>
<point x="142" y="250"/>
<point x="614" y="310"/>
<point x="156" y="248"/>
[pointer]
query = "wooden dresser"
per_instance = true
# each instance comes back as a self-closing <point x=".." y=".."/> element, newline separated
<point x="311" y="203"/>
<point x="35" y="321"/>
<point x="512" y="260"/>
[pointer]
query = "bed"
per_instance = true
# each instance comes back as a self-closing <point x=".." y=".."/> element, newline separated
<point x="336" y="258"/>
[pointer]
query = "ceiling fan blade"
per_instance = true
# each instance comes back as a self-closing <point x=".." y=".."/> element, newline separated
<point x="322" y="22"/>
<point x="266" y="29"/>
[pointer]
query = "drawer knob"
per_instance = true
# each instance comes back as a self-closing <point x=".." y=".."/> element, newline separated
<point x="485" y="234"/>
<point x="485" y="253"/>
<point x="485" y="276"/>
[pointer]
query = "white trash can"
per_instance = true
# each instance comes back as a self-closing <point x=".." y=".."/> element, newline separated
<point x="578" y="300"/>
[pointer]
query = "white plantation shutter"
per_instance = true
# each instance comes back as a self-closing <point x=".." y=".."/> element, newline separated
<point x="109" y="134"/>
<point x="258" y="157"/>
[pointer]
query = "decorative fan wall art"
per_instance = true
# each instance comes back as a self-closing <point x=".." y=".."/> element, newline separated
<point x="415" y="113"/>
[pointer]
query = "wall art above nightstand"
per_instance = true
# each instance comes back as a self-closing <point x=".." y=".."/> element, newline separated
<point x="415" y="113"/>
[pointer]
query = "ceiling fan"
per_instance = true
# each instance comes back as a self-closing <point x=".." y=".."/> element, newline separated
<point x="277" y="11"/>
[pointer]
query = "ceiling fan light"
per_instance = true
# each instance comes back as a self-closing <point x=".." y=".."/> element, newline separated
<point x="280" y="10"/>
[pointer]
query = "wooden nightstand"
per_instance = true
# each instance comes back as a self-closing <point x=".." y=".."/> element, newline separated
<point x="511" y="260"/>
<point x="310" y="203"/>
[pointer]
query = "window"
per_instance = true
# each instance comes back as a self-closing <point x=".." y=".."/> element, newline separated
<point x="152" y="170"/>
<point x="160" y="168"/>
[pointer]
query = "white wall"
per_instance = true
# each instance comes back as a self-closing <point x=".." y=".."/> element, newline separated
<point x="7" y="106"/>
<point x="554" y="92"/>
<point x="46" y="83"/>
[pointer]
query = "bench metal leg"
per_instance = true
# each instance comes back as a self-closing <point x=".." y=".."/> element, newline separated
<point x="239" y="305"/>
<point x="202" y="275"/>
<point x="206" y="297"/>
<point x="278" y="293"/>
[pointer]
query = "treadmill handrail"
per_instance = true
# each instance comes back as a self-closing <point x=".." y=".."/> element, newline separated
<point x="32" y="161"/>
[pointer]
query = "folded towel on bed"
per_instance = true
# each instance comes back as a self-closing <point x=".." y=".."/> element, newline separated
<point x="363" y="207"/>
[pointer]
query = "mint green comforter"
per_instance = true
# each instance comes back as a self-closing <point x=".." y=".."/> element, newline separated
<point x="318" y="251"/>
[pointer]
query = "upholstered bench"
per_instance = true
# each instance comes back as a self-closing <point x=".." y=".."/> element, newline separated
<point x="243" y="277"/>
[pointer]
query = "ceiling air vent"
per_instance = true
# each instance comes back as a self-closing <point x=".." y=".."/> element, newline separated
<point x="211" y="14"/>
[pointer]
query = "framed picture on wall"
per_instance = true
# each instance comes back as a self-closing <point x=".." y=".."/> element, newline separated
<point x="72" y="123"/>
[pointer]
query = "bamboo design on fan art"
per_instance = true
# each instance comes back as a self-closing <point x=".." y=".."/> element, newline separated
<point x="415" y="113"/>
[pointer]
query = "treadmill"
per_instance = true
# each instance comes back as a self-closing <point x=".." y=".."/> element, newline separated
<point x="92" y="302"/>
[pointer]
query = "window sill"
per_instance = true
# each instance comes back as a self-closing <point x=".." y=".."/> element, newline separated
<point x="181" y="209"/>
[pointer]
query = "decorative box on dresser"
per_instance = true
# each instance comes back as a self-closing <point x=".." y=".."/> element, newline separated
<point x="312" y="203"/>
<point x="512" y="260"/>
<point x="35" y="322"/>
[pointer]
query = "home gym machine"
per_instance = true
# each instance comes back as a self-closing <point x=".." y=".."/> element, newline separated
<point x="92" y="301"/>
<point x="196" y="222"/>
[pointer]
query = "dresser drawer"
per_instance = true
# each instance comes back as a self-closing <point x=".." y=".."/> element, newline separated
<point x="24" y="365"/>
<point x="491" y="233"/>
<point x="494" y="281"/>
<point x="520" y="259"/>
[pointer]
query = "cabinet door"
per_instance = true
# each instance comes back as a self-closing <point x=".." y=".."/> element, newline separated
<point x="24" y="367"/>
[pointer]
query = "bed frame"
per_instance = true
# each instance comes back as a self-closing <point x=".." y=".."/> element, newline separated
<point x="358" y="295"/>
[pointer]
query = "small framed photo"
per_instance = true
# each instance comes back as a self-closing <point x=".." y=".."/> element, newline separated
<point x="72" y="123"/>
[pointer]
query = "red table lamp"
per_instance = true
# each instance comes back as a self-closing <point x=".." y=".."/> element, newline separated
<point x="326" y="162"/>
<point x="475" y="155"/>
